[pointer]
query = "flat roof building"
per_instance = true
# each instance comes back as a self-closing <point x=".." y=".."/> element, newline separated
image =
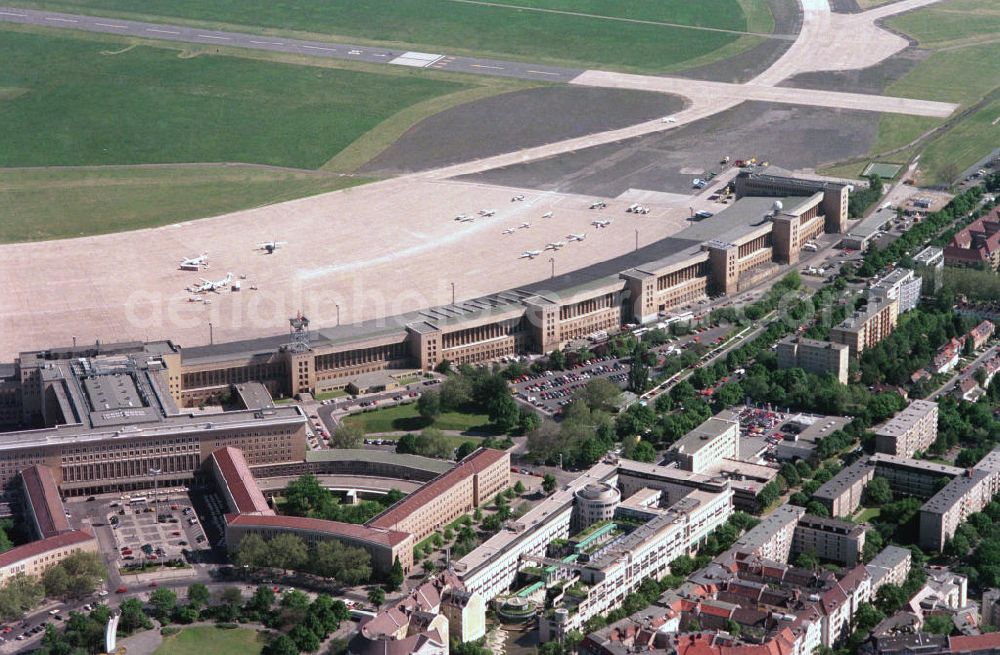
<point x="706" y="446"/>
<point x="901" y="284"/>
<point x="911" y="430"/>
<point x="868" y="326"/>
<point x="814" y="356"/>
<point x="929" y="265"/>
<point x="966" y="494"/>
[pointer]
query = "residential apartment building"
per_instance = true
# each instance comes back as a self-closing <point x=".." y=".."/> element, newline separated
<point x="843" y="493"/>
<point x="891" y="566"/>
<point x="829" y="539"/>
<point x="902" y="285"/>
<point x="928" y="264"/>
<point x="978" y="244"/>
<point x="911" y="430"/>
<point x="966" y="494"/>
<point x="868" y="326"/>
<point x="819" y="357"/>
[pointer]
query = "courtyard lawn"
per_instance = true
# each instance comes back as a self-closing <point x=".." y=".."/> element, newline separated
<point x="405" y="418"/>
<point x="867" y="514"/>
<point x="209" y="640"/>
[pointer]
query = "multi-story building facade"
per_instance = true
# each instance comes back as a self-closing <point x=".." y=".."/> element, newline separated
<point x="902" y="285"/>
<point x="913" y="429"/>
<point x="473" y="482"/>
<point x="891" y="566"/>
<point x="966" y="494"/>
<point x="707" y="446"/>
<point x="928" y="264"/>
<point x="819" y="357"/>
<point x="842" y="494"/>
<point x="829" y="539"/>
<point x="978" y="244"/>
<point x="867" y="327"/>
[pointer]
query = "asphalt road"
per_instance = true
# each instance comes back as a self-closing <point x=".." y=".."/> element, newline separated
<point x="322" y="49"/>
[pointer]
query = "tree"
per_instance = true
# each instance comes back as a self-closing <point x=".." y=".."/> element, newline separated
<point x="287" y="551"/>
<point x="867" y="617"/>
<point x="528" y="420"/>
<point x="878" y="492"/>
<point x="429" y="405"/>
<point x="281" y="645"/>
<point x="599" y="394"/>
<point x="432" y="442"/>
<point x="132" y="617"/>
<point x="198" y="595"/>
<point x="76" y="576"/>
<point x="504" y="412"/>
<point x="807" y="560"/>
<point x="304" y="638"/>
<point x="394" y="580"/>
<point x="465" y="449"/>
<point x="164" y="601"/>
<point x="262" y="600"/>
<point x="376" y="595"/>
<point x="639" y="450"/>
<point x="519" y="488"/>
<point x="940" y="624"/>
<point x="549" y="483"/>
<point x="186" y="615"/>
<point x="348" y="435"/>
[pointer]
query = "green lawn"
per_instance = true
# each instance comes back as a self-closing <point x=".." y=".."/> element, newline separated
<point x="963" y="68"/>
<point x="586" y="32"/>
<point x="84" y="105"/>
<point x="209" y="640"/>
<point x="867" y="514"/>
<point x="42" y="204"/>
<point x="406" y="418"/>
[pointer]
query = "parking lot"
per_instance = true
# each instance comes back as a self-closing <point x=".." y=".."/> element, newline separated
<point x="553" y="390"/>
<point x="148" y="532"/>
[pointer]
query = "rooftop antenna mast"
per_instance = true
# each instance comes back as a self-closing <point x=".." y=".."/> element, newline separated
<point x="298" y="327"/>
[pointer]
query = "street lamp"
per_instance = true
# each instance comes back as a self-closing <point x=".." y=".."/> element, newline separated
<point x="338" y="315"/>
<point x="452" y="293"/>
<point x="155" y="472"/>
<point x="552" y="260"/>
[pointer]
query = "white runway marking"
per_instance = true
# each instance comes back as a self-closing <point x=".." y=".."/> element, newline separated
<point x="117" y="27"/>
<point x="153" y="29"/>
<point x="268" y="42"/>
<point x="209" y="36"/>
<point x="62" y="20"/>
<point x="11" y="13"/>
<point x="316" y="47"/>
<point x="542" y="72"/>
<point x="499" y="68"/>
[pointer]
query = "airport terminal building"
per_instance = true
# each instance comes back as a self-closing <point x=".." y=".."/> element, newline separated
<point x="765" y="229"/>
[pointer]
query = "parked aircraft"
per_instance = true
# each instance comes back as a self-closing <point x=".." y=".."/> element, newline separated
<point x="517" y="198"/>
<point x="577" y="237"/>
<point x="600" y="224"/>
<point x="555" y="245"/>
<point x="209" y="285"/>
<point x="487" y="212"/>
<point x="598" y="204"/>
<point x="510" y="230"/>
<point x="547" y="215"/>
<point x="270" y="246"/>
<point x="194" y="263"/>
<point x="465" y="218"/>
<point x="530" y="254"/>
<point x="524" y="226"/>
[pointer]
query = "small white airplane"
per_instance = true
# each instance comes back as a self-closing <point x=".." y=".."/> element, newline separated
<point x="547" y="215"/>
<point x="600" y="224"/>
<point x="577" y="237"/>
<point x="270" y="246"/>
<point x="524" y="226"/>
<point x="510" y="230"/>
<point x="555" y="245"/>
<point x="519" y="197"/>
<point x="194" y="263"/>
<point x="487" y="212"/>
<point x="209" y="285"/>
<point x="465" y="218"/>
<point x="598" y="204"/>
<point x="669" y="119"/>
<point x="530" y="254"/>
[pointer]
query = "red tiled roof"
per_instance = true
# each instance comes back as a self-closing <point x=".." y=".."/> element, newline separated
<point x="35" y="548"/>
<point x="43" y="497"/>
<point x="475" y="463"/>
<point x="967" y="643"/>
<point x="244" y="490"/>
<point x="331" y="528"/>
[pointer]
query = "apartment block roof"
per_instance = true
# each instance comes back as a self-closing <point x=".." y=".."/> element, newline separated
<point x="35" y="548"/>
